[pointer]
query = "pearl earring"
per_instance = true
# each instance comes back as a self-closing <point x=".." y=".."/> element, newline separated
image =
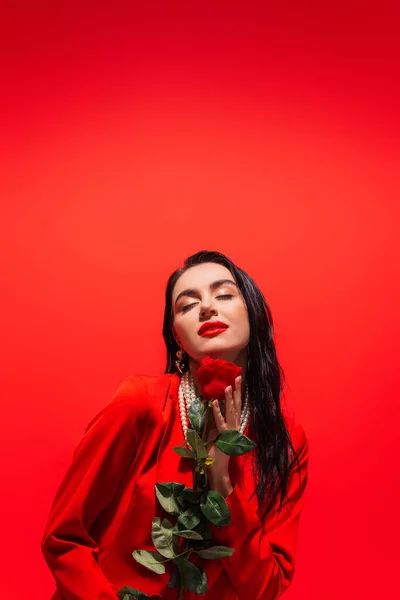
<point x="180" y="360"/>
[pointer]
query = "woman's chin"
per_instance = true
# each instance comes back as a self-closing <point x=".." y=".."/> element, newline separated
<point x="216" y="349"/>
<point x="225" y="353"/>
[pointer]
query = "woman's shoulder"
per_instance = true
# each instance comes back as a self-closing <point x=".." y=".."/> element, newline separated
<point x="134" y="385"/>
<point x="143" y="390"/>
<point x="135" y="398"/>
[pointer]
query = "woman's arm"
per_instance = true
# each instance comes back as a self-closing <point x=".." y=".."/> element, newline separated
<point x="99" y="462"/>
<point x="263" y="563"/>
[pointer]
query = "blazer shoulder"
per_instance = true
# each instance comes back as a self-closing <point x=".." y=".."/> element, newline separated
<point x="129" y="387"/>
<point x="139" y="385"/>
<point x="296" y="431"/>
<point x="151" y="390"/>
<point x="129" y="402"/>
<point x="137" y="398"/>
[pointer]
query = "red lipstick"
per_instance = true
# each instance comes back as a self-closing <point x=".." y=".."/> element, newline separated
<point x="212" y="328"/>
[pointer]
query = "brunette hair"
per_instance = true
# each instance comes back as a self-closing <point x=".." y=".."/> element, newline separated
<point x="265" y="378"/>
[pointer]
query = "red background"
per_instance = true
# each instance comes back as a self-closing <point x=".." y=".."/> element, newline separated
<point x="136" y="135"/>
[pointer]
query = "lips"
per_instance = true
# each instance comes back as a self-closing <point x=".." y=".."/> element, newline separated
<point x="212" y="326"/>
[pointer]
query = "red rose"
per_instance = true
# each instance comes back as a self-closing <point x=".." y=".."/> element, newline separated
<point x="214" y="375"/>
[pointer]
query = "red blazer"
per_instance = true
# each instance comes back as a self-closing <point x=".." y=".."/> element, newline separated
<point x="104" y="507"/>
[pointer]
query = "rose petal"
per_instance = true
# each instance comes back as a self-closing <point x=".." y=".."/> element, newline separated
<point x="214" y="375"/>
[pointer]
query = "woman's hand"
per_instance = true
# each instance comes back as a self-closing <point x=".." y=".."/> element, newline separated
<point x="219" y="471"/>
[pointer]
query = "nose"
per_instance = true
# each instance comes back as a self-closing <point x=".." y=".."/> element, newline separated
<point x="208" y="310"/>
<point x="207" y="306"/>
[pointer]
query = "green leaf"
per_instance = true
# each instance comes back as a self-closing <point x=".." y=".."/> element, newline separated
<point x="185" y="452"/>
<point x="167" y="494"/>
<point x="234" y="443"/>
<point x="197" y="444"/>
<point x="162" y="537"/>
<point x="204" y="529"/>
<point x="197" y="414"/>
<point x="174" y="579"/>
<point x="215" y="552"/>
<point x="188" y="497"/>
<point x="187" y="534"/>
<point x="216" y="509"/>
<point x="128" y="593"/>
<point x="189" y="519"/>
<point x="194" y="578"/>
<point x="151" y="560"/>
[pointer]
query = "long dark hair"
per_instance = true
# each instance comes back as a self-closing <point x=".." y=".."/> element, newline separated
<point x="265" y="378"/>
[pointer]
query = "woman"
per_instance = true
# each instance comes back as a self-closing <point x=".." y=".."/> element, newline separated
<point x="104" y="507"/>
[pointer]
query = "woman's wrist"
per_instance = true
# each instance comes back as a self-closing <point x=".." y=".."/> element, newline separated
<point x="221" y="484"/>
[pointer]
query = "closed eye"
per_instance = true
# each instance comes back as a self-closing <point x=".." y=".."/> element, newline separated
<point x="223" y="296"/>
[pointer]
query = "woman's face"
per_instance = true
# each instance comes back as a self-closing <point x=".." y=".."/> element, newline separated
<point x="203" y="294"/>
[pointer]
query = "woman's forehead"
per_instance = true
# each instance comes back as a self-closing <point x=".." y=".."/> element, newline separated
<point x="201" y="276"/>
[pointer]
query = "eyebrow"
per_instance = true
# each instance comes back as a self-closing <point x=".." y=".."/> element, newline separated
<point x="213" y="286"/>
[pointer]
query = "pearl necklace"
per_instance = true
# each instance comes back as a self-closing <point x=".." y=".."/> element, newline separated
<point x="187" y="394"/>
